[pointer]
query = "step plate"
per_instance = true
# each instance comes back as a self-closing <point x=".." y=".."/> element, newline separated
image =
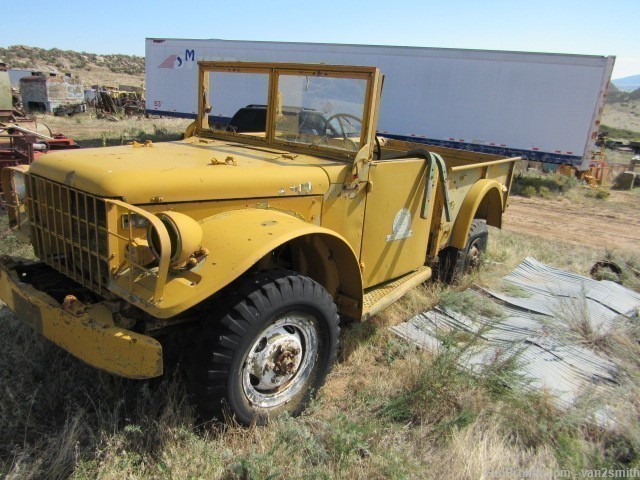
<point x="380" y="297"/>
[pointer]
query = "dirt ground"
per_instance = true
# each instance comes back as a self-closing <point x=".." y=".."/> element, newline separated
<point x="611" y="224"/>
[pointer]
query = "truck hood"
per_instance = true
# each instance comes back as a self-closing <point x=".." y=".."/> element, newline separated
<point x="189" y="170"/>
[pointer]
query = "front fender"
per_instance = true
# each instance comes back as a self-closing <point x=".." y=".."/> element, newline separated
<point x="484" y="198"/>
<point x="236" y="240"/>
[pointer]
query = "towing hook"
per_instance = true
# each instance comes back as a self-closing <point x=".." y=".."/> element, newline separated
<point x="74" y="306"/>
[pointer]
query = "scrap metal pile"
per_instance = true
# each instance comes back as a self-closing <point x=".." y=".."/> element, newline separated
<point x="108" y="101"/>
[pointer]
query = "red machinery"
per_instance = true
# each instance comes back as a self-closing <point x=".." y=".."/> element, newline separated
<point x="20" y="143"/>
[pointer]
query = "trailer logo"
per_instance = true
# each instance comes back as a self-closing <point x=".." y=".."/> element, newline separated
<point x="177" y="61"/>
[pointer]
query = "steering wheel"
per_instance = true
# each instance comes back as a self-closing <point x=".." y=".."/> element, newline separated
<point x="340" y="117"/>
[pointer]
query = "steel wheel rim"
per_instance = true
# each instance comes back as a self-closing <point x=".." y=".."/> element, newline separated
<point x="280" y="361"/>
<point x="474" y="255"/>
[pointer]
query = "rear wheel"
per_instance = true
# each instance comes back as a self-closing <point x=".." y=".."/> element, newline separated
<point x="270" y="350"/>
<point x="454" y="262"/>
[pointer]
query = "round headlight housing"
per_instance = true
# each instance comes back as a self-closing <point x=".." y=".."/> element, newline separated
<point x="19" y="185"/>
<point x="14" y="186"/>
<point x="185" y="237"/>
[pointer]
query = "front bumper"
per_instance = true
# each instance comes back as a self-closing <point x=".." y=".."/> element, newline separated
<point x="89" y="334"/>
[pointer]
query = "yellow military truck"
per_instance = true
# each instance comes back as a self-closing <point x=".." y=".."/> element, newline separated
<point x="280" y="213"/>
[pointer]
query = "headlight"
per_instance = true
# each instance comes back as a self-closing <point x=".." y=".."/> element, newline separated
<point x="185" y="236"/>
<point x="14" y="193"/>
<point x="19" y="185"/>
<point x="14" y="184"/>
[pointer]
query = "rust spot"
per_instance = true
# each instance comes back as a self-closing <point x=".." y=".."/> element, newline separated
<point x="68" y="179"/>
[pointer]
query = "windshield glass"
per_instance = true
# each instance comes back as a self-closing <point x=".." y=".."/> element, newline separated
<point x="310" y="108"/>
<point x="322" y="111"/>
<point x="238" y="102"/>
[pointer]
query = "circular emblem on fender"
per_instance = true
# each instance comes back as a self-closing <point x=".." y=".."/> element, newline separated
<point x="401" y="225"/>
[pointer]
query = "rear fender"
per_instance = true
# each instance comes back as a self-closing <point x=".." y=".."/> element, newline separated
<point x="484" y="200"/>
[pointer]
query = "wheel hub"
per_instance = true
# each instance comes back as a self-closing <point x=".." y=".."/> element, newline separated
<point x="280" y="361"/>
<point x="474" y="256"/>
<point x="286" y="361"/>
<point x="277" y="359"/>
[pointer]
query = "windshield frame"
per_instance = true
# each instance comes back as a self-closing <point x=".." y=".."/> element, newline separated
<point x="275" y="70"/>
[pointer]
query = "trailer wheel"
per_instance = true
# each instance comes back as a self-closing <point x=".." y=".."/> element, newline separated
<point x="271" y="351"/>
<point x="454" y="262"/>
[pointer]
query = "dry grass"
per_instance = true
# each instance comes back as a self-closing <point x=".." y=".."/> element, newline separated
<point x="507" y="249"/>
<point x="619" y="158"/>
<point x="535" y="183"/>
<point x="89" y="131"/>
<point x="10" y="244"/>
<point x="481" y="449"/>
<point x="623" y="115"/>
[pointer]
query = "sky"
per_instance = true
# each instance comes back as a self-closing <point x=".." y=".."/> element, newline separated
<point x="562" y="26"/>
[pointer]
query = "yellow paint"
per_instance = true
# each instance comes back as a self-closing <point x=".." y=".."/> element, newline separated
<point x="480" y="190"/>
<point x="126" y="276"/>
<point x="185" y="236"/>
<point x="317" y="192"/>
<point x="394" y="240"/>
<point x="182" y="172"/>
<point x="92" y="337"/>
<point x="343" y="212"/>
<point x="249" y="235"/>
<point x="302" y="207"/>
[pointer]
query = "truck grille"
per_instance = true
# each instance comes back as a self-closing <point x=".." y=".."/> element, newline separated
<point x="69" y="231"/>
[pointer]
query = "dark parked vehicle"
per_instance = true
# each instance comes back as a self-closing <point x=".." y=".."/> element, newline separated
<point x="253" y="119"/>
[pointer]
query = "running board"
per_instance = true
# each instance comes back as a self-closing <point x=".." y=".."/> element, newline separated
<point x="380" y="297"/>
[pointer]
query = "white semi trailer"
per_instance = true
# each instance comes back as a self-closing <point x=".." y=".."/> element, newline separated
<point x="540" y="106"/>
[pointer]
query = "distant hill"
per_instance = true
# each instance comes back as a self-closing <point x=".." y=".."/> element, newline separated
<point x="93" y="68"/>
<point x="615" y="95"/>
<point x="627" y="84"/>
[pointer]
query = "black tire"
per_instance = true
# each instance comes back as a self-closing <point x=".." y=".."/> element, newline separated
<point x="454" y="262"/>
<point x="270" y="324"/>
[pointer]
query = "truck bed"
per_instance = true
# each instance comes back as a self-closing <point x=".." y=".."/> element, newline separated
<point x="464" y="169"/>
<point x="453" y="157"/>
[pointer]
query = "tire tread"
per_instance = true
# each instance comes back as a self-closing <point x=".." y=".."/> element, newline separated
<point x="247" y="303"/>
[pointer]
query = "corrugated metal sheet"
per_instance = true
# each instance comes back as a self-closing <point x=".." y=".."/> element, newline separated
<point x="538" y="326"/>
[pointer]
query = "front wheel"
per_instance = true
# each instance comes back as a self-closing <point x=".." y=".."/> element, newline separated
<point x="271" y="350"/>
